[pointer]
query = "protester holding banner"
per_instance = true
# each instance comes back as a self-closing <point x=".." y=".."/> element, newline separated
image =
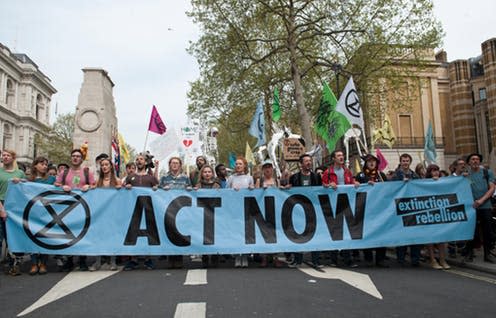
<point x="76" y="177"/>
<point x="240" y="179"/>
<point x="338" y="174"/>
<point x="404" y="173"/>
<point x="482" y="184"/>
<point x="194" y="176"/>
<point x="458" y="167"/>
<point x="433" y="172"/>
<point x="39" y="173"/>
<point x="420" y="170"/>
<point x="268" y="180"/>
<point x="106" y="179"/>
<point x="221" y="172"/>
<point x="175" y="179"/>
<point x="130" y="168"/>
<point x="141" y="178"/>
<point x="305" y="178"/>
<point x="207" y="180"/>
<point x="7" y="172"/>
<point x="371" y="174"/>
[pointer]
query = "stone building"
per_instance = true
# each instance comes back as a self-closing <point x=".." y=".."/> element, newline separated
<point x="25" y="96"/>
<point x="459" y="99"/>
<point x="96" y="121"/>
<point x="473" y="102"/>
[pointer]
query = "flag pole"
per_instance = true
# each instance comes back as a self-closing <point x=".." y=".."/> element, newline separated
<point x="146" y="140"/>
<point x="365" y="141"/>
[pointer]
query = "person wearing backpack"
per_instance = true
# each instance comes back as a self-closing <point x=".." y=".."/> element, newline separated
<point x="76" y="177"/>
<point x="482" y="184"/>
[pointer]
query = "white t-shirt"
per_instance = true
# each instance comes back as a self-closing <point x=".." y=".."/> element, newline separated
<point x="240" y="181"/>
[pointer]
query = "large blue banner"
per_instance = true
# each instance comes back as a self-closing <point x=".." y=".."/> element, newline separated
<point x="140" y="221"/>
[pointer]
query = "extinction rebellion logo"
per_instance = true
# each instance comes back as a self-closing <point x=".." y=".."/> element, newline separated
<point x="56" y="220"/>
<point x="432" y="209"/>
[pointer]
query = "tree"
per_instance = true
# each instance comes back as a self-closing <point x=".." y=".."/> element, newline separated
<point x="249" y="47"/>
<point x="57" y="144"/>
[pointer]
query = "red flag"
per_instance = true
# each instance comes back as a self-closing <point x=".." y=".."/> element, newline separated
<point x="383" y="163"/>
<point x="156" y="124"/>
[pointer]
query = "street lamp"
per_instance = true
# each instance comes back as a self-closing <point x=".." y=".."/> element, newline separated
<point x="337" y="68"/>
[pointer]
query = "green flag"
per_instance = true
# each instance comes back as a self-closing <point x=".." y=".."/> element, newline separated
<point x="329" y="123"/>
<point x="276" y="110"/>
<point x="338" y="125"/>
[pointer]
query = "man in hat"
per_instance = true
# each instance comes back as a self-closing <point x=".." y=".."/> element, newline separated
<point x="370" y="174"/>
<point x="482" y="184"/>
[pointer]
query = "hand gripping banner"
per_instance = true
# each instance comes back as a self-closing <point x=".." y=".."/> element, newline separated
<point x="140" y="221"/>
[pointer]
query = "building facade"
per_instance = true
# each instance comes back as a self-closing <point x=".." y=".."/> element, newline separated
<point x="25" y="97"/>
<point x="473" y="100"/>
<point x="459" y="99"/>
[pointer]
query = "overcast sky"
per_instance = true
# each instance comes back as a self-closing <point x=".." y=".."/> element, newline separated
<point x="142" y="45"/>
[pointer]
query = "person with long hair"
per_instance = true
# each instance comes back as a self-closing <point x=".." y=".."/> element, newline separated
<point x="268" y="179"/>
<point x="207" y="180"/>
<point x="7" y="172"/>
<point x="175" y="179"/>
<point x="39" y="173"/>
<point x="106" y="179"/>
<point x="240" y="179"/>
<point x="433" y="172"/>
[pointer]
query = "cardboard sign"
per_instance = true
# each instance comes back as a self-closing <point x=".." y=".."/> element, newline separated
<point x="293" y="149"/>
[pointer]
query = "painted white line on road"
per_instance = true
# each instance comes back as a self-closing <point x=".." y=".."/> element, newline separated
<point x="196" y="277"/>
<point x="473" y="276"/>
<point x="191" y="310"/>
<point x="357" y="280"/>
<point x="71" y="283"/>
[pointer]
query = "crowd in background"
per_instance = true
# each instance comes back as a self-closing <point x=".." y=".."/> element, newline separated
<point x="74" y="175"/>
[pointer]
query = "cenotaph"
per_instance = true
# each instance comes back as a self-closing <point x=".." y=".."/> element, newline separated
<point x="96" y="121"/>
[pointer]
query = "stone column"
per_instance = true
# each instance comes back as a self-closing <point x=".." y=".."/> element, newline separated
<point x="462" y="107"/>
<point x="96" y="119"/>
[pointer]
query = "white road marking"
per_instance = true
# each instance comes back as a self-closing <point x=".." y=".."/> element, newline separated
<point x="196" y="277"/>
<point x="357" y="280"/>
<point x="71" y="283"/>
<point x="191" y="310"/>
<point x="473" y="276"/>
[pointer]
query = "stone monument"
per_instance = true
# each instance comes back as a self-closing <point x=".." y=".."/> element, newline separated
<point x="96" y="121"/>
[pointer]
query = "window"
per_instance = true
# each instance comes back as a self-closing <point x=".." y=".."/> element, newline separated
<point x="7" y="136"/>
<point x="39" y="105"/>
<point x="482" y="94"/>
<point x="10" y="94"/>
<point x="406" y="129"/>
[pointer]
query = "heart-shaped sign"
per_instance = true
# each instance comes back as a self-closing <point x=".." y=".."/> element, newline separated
<point x="187" y="142"/>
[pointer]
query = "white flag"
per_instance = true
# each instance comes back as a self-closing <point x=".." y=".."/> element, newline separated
<point x="349" y="104"/>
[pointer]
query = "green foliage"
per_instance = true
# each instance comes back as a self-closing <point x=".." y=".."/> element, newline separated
<point x="247" y="48"/>
<point x="57" y="145"/>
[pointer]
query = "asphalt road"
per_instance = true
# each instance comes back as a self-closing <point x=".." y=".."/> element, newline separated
<point x="255" y="292"/>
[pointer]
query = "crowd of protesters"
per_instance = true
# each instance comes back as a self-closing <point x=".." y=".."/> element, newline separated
<point x="140" y="174"/>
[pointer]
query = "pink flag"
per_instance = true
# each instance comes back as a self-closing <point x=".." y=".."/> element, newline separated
<point x="156" y="124"/>
<point x="383" y="163"/>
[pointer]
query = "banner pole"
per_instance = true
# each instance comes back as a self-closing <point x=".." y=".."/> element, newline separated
<point x="146" y="141"/>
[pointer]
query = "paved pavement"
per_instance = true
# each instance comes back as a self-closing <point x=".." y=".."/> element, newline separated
<point x="478" y="263"/>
